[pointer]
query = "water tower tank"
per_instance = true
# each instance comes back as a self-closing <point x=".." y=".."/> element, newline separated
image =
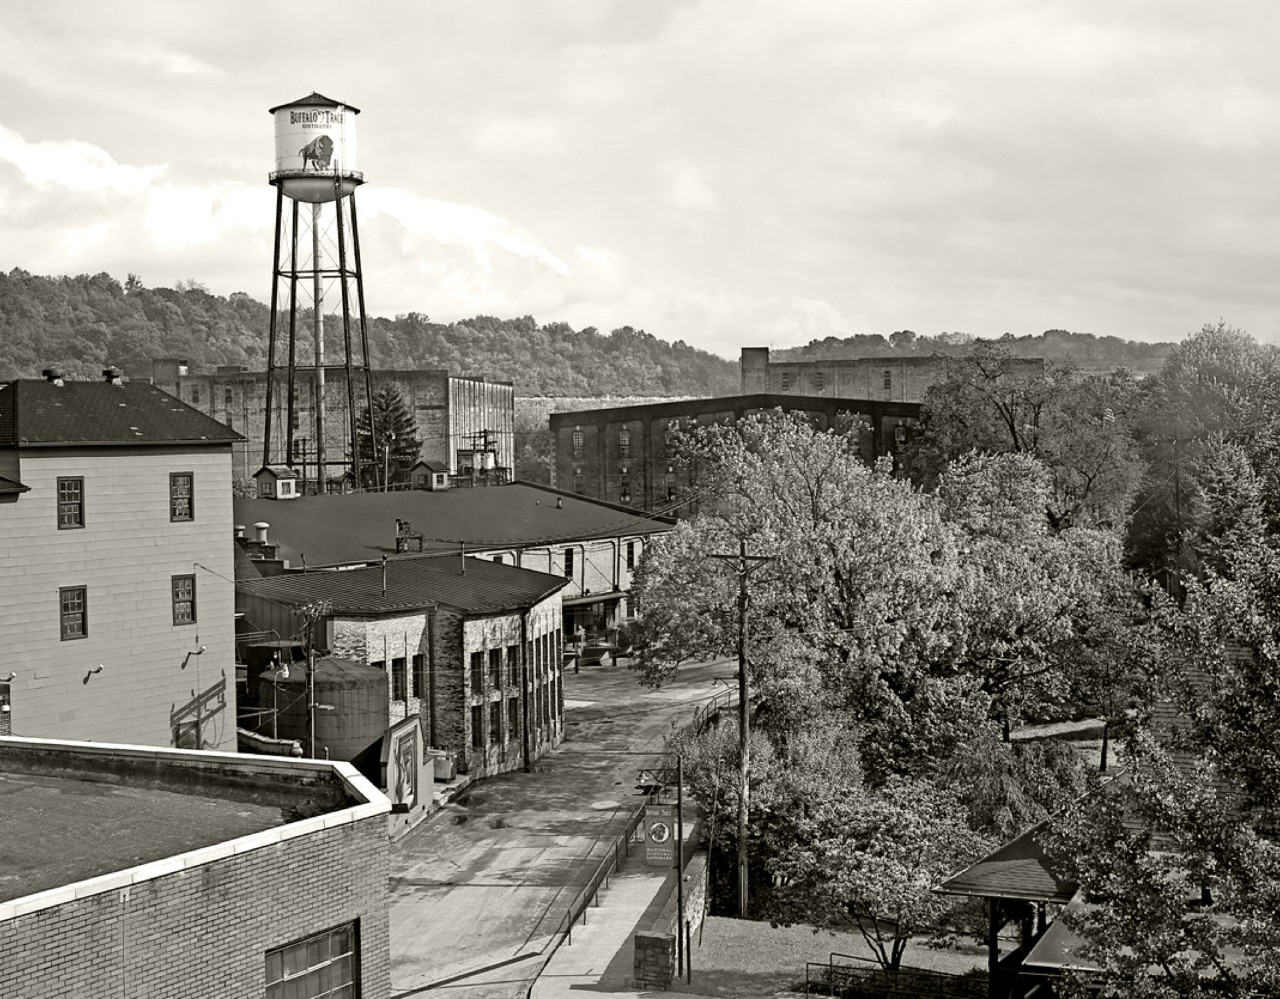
<point x="316" y="145"/>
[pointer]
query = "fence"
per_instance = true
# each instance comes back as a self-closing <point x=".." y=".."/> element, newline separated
<point x="847" y="976"/>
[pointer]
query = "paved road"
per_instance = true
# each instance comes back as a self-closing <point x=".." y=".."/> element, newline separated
<point x="488" y="878"/>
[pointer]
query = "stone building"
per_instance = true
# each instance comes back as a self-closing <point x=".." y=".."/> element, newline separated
<point x="455" y="416"/>
<point x="116" y="565"/>
<point x="201" y="875"/>
<point x="471" y="646"/>
<point x="876" y="379"/>
<point x="594" y="547"/>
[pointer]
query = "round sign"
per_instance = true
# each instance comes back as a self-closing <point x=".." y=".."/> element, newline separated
<point x="659" y="832"/>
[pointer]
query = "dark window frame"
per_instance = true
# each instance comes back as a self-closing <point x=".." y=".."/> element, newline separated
<point x="477" y="672"/>
<point x="631" y="554"/>
<point x="568" y="563"/>
<point x="176" y="498"/>
<point x="495" y="669"/>
<point x="477" y="726"/>
<point x="495" y="715"/>
<point x="71" y="506"/>
<point x="624" y="443"/>
<point x="179" y="601"/>
<point x="400" y="679"/>
<point x="81" y="612"/>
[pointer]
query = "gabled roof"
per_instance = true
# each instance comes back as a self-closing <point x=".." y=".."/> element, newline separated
<point x="38" y="412"/>
<point x="1019" y="869"/>
<point x="361" y="527"/>
<point x="279" y="471"/>
<point x="433" y="466"/>
<point x="479" y="587"/>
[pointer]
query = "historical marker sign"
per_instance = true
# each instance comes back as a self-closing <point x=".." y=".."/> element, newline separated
<point x="660" y="835"/>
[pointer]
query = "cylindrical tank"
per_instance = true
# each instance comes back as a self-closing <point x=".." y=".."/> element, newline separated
<point x="316" y="144"/>
<point x="352" y="712"/>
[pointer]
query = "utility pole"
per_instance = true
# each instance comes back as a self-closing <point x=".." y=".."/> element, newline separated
<point x="746" y="565"/>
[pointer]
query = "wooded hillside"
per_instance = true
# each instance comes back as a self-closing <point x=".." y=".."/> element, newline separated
<point x="84" y="323"/>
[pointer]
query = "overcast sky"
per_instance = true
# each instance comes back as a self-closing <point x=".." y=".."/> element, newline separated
<point x="726" y="172"/>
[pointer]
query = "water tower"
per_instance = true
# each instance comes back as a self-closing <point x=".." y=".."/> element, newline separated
<point x="316" y="247"/>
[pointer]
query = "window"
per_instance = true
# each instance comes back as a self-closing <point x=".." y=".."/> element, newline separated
<point x="786" y="381"/>
<point x="74" y="601"/>
<point x="671" y="483"/>
<point x="477" y="727"/>
<point x="70" y="503"/>
<point x="513" y="716"/>
<point x="568" y="563"/>
<point x="578" y="441"/>
<point x="624" y="443"/>
<point x="513" y="664"/>
<point x="323" y="966"/>
<point x="195" y="395"/>
<point x="818" y="381"/>
<point x="294" y="421"/>
<point x="420" y="686"/>
<point x="498" y="559"/>
<point x="631" y="554"/>
<point x="577" y="481"/>
<point x="182" y="504"/>
<point x="228" y="399"/>
<point x="624" y="487"/>
<point x="399" y="681"/>
<point x="495" y="722"/>
<point x="495" y="668"/>
<point x="477" y="672"/>
<point x="888" y="378"/>
<point x="184" y="599"/>
<point x="900" y="434"/>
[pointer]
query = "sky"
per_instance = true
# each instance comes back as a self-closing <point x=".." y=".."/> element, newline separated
<point x="724" y="172"/>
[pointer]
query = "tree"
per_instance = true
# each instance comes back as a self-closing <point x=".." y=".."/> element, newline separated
<point x="1077" y="427"/>
<point x="391" y="447"/>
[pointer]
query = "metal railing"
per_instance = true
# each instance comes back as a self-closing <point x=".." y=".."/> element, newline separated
<point x="847" y="976"/>
<point x="722" y="701"/>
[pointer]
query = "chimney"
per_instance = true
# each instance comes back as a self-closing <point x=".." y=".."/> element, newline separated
<point x="113" y="375"/>
<point x="53" y="376"/>
<point x="260" y="532"/>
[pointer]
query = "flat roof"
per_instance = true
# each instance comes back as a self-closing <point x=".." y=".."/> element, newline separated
<point x="77" y="818"/>
<point x="361" y="527"/>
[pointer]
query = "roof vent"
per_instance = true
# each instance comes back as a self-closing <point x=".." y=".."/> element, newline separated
<point x="113" y="375"/>
<point x="53" y="376"/>
<point x="260" y="532"/>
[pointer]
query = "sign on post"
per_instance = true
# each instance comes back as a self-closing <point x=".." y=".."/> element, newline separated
<point x="660" y="835"/>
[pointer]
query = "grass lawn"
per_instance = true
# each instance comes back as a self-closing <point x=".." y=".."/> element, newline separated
<point x="743" y="959"/>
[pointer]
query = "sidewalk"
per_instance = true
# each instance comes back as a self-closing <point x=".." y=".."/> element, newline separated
<point x="601" y="955"/>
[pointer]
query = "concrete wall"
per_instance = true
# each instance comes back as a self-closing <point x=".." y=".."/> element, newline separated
<point x="125" y="556"/>
<point x="447" y="410"/>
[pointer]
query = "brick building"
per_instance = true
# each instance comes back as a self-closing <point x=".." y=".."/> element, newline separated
<point x="876" y="379"/>
<point x="453" y="414"/>
<point x="116" y="565"/>
<point x="593" y="546"/>
<point x="132" y="871"/>
<point x="624" y="455"/>
<point x="471" y="646"/>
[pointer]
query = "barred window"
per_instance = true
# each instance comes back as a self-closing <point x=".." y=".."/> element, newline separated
<point x="70" y="503"/>
<point x="323" y="966"/>
<point x="74" y="603"/>
<point x="624" y="443"/>
<point x="513" y="664"/>
<point x="477" y="727"/>
<point x="513" y="716"/>
<point x="568" y="563"/>
<point x="495" y="722"/>
<point x="786" y="381"/>
<point x="631" y="554"/>
<point x="578" y="440"/>
<point x="888" y="378"/>
<point x="184" y="599"/>
<point x="818" y="381"/>
<point x="495" y="668"/>
<point x="181" y="498"/>
<point x="477" y="672"/>
<point x="578" y="482"/>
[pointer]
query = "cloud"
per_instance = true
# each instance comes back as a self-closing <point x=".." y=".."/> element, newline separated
<point x="75" y="166"/>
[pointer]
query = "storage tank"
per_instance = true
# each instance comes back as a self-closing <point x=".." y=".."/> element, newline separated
<point x="352" y="712"/>
<point x="316" y="146"/>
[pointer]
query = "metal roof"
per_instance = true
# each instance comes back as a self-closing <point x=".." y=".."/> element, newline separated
<point x="473" y="585"/>
<point x="361" y="527"/>
<point x="314" y="100"/>
<point x="38" y="412"/>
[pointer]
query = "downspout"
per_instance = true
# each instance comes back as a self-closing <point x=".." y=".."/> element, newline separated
<point x="524" y="687"/>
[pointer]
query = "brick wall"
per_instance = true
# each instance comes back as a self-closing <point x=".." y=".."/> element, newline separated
<point x="204" y="931"/>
